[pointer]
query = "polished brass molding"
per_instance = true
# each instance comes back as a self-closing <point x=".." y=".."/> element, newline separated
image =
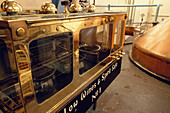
<point x="75" y="8"/>
<point x="91" y="8"/>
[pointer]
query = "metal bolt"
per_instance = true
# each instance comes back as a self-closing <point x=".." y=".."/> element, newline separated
<point x="20" y="31"/>
<point x="43" y="30"/>
<point x="57" y="28"/>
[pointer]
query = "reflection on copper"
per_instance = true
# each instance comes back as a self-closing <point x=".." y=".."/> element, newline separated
<point x="75" y="8"/>
<point x="11" y="6"/>
<point x="48" y="7"/>
<point x="91" y="8"/>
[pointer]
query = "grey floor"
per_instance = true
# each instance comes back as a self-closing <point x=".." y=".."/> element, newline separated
<point x="134" y="91"/>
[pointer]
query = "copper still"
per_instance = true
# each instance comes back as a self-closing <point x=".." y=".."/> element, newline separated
<point x="151" y="51"/>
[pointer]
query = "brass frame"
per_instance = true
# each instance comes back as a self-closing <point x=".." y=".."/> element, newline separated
<point x="36" y="27"/>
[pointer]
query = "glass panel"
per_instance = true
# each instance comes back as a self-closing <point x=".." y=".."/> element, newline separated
<point x="94" y="46"/>
<point x="52" y="64"/>
<point x="118" y="36"/>
<point x="10" y="93"/>
<point x="5" y="69"/>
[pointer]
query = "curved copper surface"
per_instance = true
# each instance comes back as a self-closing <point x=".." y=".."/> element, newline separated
<point x="152" y="50"/>
<point x="75" y="8"/>
<point x="91" y="8"/>
<point x="48" y="6"/>
<point x="11" y="6"/>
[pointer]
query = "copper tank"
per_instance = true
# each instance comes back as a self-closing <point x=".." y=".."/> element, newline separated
<point x="151" y="51"/>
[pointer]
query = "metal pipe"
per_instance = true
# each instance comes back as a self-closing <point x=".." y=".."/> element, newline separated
<point x="145" y="5"/>
<point x="128" y="8"/>
<point x="109" y="7"/>
<point x="157" y="11"/>
<point x="143" y="23"/>
<point x="134" y="14"/>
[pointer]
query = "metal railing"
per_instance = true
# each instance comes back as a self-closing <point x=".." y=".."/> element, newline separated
<point x="144" y="5"/>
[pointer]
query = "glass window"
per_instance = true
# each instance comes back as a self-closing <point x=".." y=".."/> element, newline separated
<point x="5" y="69"/>
<point x="51" y="64"/>
<point x="118" y="36"/>
<point x="94" y="46"/>
<point x="10" y="93"/>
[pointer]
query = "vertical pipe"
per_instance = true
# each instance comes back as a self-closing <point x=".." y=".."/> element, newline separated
<point x="128" y="9"/>
<point x="109" y="7"/>
<point x="94" y="2"/>
<point x="157" y="11"/>
<point x="134" y="14"/>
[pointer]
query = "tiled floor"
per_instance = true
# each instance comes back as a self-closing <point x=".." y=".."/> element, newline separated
<point x="134" y="91"/>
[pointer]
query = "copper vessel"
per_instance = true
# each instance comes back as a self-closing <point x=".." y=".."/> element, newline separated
<point x="151" y="51"/>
